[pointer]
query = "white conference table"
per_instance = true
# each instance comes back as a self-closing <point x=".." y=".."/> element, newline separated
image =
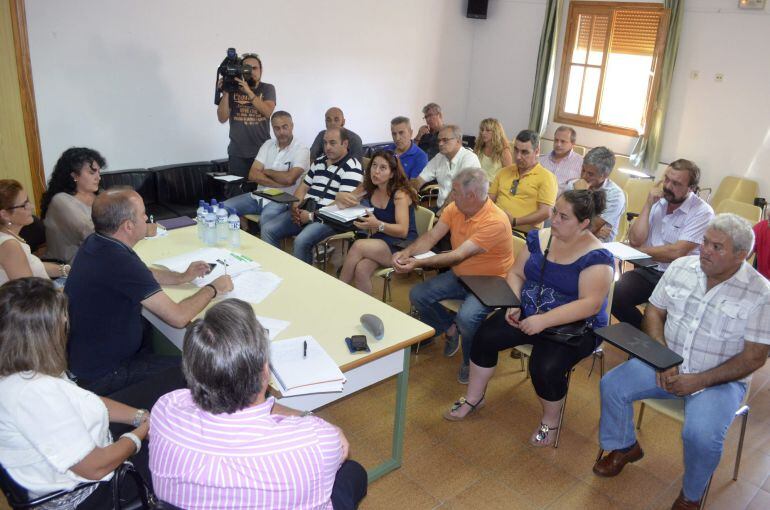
<point x="319" y="305"/>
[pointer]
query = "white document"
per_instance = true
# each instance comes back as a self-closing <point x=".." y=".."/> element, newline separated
<point x="347" y="214"/>
<point x="298" y="372"/>
<point x="274" y="327"/>
<point x="228" y="178"/>
<point x="254" y="286"/>
<point x="424" y="255"/>
<point x="235" y="263"/>
<point x="624" y="252"/>
<point x="161" y="232"/>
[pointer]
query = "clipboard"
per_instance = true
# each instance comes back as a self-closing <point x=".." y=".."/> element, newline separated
<point x="281" y="197"/>
<point x="638" y="344"/>
<point x="492" y="291"/>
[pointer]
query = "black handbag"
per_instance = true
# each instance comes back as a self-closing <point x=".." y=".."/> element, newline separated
<point x="567" y="334"/>
<point x="143" y="491"/>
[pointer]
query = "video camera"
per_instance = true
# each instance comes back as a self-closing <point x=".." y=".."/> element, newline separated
<point x="232" y="67"/>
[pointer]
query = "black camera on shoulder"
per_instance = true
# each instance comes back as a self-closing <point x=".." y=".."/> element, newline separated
<point x="232" y="67"/>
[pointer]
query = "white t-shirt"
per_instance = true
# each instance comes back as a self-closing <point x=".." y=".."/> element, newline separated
<point x="282" y="160"/>
<point x="37" y="267"/>
<point x="47" y="425"/>
<point x="443" y="170"/>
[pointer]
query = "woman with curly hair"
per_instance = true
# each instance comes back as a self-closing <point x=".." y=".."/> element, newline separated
<point x="492" y="147"/>
<point x="66" y="205"/>
<point x="392" y="222"/>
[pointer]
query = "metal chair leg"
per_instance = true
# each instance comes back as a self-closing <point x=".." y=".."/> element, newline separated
<point x="639" y="420"/>
<point x="744" y="412"/>
<point x="705" y="494"/>
<point x="561" y="413"/>
<point x="599" y="455"/>
<point x="601" y="362"/>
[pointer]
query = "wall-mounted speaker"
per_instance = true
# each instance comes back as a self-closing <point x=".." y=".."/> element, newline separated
<point x="477" y="9"/>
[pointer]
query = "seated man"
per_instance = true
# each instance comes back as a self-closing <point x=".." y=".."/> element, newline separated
<point x="525" y="191"/>
<point x="670" y="225"/>
<point x="264" y="456"/>
<point x="412" y="158"/>
<point x="452" y="159"/>
<point x="562" y="161"/>
<point x="336" y="119"/>
<point x="280" y="163"/>
<point x="337" y="171"/>
<point x="714" y="311"/>
<point x="482" y="244"/>
<point x="597" y="165"/>
<point x="427" y="135"/>
<point x="762" y="248"/>
<point x="107" y="288"/>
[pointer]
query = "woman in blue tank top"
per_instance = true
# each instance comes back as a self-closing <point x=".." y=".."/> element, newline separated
<point x="391" y="223"/>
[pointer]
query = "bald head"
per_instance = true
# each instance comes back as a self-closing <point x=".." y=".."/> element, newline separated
<point x="116" y="206"/>
<point x="334" y="118"/>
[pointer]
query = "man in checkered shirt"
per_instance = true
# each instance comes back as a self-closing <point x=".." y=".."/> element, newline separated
<point x="713" y="309"/>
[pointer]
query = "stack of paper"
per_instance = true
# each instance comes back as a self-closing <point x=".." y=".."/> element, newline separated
<point x="347" y="214"/>
<point x="274" y="327"/>
<point x="224" y="261"/>
<point x="228" y="178"/>
<point x="301" y="372"/>
<point x="624" y="252"/>
<point x="254" y="286"/>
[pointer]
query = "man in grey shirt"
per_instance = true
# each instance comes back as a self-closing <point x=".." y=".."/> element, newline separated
<point x="336" y="119"/>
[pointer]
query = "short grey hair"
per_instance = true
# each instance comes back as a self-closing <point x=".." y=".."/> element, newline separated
<point x="431" y="106"/>
<point x="475" y="180"/>
<point x="457" y="133"/>
<point x="400" y="120"/>
<point x="224" y="356"/>
<point x="572" y="132"/>
<point x="602" y="158"/>
<point x="737" y="228"/>
<point x="111" y="208"/>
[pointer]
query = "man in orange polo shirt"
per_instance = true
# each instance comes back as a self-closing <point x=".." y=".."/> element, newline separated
<point x="482" y="244"/>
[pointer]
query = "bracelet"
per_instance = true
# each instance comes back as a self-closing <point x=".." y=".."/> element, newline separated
<point x="139" y="417"/>
<point x="64" y="270"/>
<point x="212" y="288"/>
<point x="134" y="439"/>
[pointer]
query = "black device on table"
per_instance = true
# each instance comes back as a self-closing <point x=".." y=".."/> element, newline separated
<point x="640" y="345"/>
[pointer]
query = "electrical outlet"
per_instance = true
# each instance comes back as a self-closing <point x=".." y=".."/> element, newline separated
<point x="719" y="77"/>
<point x="694" y="75"/>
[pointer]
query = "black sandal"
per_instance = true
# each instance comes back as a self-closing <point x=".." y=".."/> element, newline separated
<point x="463" y="402"/>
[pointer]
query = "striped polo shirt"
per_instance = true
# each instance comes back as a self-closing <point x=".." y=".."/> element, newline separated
<point x="344" y="175"/>
<point x="248" y="459"/>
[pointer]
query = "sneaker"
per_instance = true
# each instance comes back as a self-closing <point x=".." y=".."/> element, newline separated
<point x="452" y="345"/>
<point x="464" y="374"/>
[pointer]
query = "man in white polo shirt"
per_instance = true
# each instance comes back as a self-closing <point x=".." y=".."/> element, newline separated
<point x="670" y="226"/>
<point x="280" y="163"/>
<point x="451" y="160"/>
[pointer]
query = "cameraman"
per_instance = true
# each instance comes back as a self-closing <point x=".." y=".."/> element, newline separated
<point x="249" y="110"/>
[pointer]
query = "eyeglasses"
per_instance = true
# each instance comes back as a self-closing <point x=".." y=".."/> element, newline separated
<point x="26" y="203"/>
<point x="514" y="187"/>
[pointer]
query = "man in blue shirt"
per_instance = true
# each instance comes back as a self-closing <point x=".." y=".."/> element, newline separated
<point x="413" y="159"/>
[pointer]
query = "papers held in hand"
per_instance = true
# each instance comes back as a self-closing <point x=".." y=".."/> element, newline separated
<point x="640" y="345"/>
<point x="346" y="215"/>
<point x="226" y="261"/>
<point x="301" y="371"/>
<point x="493" y="291"/>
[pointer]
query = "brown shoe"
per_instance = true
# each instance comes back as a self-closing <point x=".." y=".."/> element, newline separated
<point x="685" y="504"/>
<point x="612" y="463"/>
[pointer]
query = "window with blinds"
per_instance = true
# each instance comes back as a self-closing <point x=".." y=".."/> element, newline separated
<point x="608" y="71"/>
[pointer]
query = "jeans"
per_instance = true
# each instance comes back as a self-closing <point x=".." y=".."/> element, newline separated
<point x="425" y="297"/>
<point x="349" y="486"/>
<point x="280" y="227"/>
<point x="245" y="204"/>
<point x="708" y="415"/>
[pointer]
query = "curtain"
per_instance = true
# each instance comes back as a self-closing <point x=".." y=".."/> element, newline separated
<point x="646" y="151"/>
<point x="546" y="58"/>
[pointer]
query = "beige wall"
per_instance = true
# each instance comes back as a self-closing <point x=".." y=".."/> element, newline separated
<point x="14" y="159"/>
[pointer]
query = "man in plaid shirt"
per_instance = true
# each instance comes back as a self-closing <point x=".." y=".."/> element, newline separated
<point x="713" y="309"/>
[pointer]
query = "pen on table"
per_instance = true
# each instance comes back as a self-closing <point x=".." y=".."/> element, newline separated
<point x="304" y="348"/>
<point x="152" y="219"/>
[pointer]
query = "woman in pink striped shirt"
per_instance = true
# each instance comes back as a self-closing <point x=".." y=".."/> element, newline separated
<point x="221" y="443"/>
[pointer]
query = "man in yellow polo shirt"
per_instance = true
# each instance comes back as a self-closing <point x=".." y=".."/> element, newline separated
<point x="526" y="190"/>
<point x="482" y="244"/>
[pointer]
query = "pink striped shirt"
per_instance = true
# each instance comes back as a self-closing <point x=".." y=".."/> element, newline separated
<point x="566" y="169"/>
<point x="248" y="459"/>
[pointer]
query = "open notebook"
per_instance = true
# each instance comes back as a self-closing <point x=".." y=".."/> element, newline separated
<point x="297" y="374"/>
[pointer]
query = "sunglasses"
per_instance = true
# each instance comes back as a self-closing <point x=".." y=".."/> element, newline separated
<point x="514" y="187"/>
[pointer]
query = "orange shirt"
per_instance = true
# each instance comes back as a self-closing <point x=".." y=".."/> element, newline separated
<point x="489" y="229"/>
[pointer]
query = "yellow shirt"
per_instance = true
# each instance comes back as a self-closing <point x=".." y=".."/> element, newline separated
<point x="538" y="186"/>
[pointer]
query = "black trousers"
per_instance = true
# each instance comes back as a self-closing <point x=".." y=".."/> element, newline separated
<point x="240" y="166"/>
<point x="550" y="361"/>
<point x="349" y="486"/>
<point x="634" y="288"/>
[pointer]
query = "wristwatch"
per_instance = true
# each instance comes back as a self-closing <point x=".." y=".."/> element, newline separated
<point x="139" y="417"/>
<point x="381" y="227"/>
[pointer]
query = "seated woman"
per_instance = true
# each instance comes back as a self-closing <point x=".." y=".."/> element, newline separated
<point x="492" y="147"/>
<point x="264" y="457"/>
<point x="54" y="434"/>
<point x="16" y="259"/>
<point x="564" y="282"/>
<point x="388" y="191"/>
<point x="66" y="204"/>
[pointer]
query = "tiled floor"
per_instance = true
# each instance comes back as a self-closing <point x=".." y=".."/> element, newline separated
<point x="486" y="461"/>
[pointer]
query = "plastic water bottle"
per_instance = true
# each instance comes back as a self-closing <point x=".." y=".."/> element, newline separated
<point x="210" y="233"/>
<point x="234" y="224"/>
<point x="221" y="223"/>
<point x="200" y="218"/>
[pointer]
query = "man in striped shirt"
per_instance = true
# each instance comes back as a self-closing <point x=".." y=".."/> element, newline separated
<point x="336" y="171"/>
<point x="714" y="311"/>
<point x="221" y="444"/>
<point x="565" y="163"/>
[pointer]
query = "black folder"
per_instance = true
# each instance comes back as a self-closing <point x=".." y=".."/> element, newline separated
<point x="493" y="291"/>
<point x="640" y="345"/>
<point x="281" y="198"/>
